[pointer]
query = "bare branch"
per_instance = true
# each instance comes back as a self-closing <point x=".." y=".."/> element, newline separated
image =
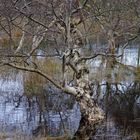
<point x="98" y="54"/>
<point x="80" y="7"/>
<point x="38" y="39"/>
<point x="35" y="71"/>
<point x="129" y="40"/>
<point x="32" y="19"/>
<point x="67" y="89"/>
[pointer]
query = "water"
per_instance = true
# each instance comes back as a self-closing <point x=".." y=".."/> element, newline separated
<point x="23" y="115"/>
<point x="47" y="110"/>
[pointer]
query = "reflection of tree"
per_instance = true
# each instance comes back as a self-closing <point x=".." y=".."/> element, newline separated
<point x="45" y="105"/>
<point x="124" y="106"/>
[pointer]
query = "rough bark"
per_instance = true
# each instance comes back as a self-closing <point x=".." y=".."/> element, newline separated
<point x="92" y="114"/>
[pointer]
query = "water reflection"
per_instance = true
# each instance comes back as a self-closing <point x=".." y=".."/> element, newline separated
<point x="31" y="106"/>
<point x="130" y="56"/>
<point x="122" y="115"/>
<point x="46" y="113"/>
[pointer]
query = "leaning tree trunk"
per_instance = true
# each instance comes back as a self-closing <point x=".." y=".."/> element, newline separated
<point x="91" y="114"/>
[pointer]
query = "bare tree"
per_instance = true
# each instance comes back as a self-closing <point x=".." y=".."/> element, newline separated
<point x="64" y="23"/>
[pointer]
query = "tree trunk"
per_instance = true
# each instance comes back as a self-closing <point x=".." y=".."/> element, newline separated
<point x="91" y="114"/>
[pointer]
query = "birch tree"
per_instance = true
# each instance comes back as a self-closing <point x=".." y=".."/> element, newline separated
<point x="62" y="22"/>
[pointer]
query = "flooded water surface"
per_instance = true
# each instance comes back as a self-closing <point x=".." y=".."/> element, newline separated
<point x="30" y="107"/>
